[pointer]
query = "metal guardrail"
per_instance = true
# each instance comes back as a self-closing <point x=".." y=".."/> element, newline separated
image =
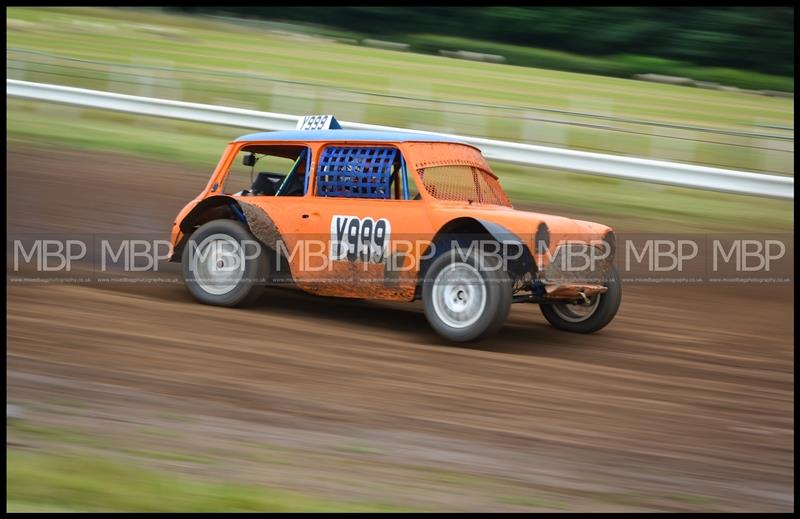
<point x="630" y="168"/>
<point x="73" y="65"/>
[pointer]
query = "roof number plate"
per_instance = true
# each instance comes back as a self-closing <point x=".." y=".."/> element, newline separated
<point x="318" y="122"/>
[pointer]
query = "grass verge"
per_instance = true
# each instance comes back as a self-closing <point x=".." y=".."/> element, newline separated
<point x="56" y="482"/>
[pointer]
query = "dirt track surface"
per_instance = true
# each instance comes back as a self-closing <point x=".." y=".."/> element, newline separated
<point x="685" y="402"/>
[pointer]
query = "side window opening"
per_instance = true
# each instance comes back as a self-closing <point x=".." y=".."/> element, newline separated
<point x="413" y="190"/>
<point x="372" y="172"/>
<point x="272" y="170"/>
<point x="294" y="184"/>
<point x="463" y="183"/>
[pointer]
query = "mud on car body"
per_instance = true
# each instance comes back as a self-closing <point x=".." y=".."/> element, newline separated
<point x="389" y="216"/>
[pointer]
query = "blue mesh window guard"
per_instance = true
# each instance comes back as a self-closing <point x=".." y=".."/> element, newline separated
<point x="355" y="172"/>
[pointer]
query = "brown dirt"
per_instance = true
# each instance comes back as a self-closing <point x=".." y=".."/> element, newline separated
<point x="685" y="402"/>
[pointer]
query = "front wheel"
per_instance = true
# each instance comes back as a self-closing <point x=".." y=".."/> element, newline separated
<point x="224" y="265"/>
<point x="586" y="317"/>
<point x="465" y="298"/>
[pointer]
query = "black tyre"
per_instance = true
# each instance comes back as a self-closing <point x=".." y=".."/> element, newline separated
<point x="587" y="318"/>
<point x="224" y="264"/>
<point x="465" y="298"/>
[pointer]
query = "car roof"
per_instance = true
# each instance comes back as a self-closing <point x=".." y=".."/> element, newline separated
<point x="346" y="135"/>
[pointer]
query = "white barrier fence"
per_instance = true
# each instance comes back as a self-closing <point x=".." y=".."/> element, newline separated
<point x="630" y="168"/>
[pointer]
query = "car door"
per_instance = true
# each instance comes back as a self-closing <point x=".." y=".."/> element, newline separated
<point x="364" y="232"/>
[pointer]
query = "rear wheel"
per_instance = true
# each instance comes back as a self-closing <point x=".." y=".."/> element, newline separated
<point x="224" y="264"/>
<point x="590" y="316"/>
<point x="465" y="299"/>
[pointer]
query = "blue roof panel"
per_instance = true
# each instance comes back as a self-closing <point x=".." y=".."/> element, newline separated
<point x="345" y="135"/>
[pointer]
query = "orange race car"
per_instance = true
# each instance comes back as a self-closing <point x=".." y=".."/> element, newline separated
<point x="391" y="216"/>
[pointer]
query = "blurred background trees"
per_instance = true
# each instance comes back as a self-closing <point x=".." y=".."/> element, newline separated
<point x="750" y="38"/>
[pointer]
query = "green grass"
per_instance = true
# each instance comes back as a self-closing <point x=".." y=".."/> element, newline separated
<point x="77" y="472"/>
<point x="642" y="207"/>
<point x="188" y="143"/>
<point x="51" y="434"/>
<point x="219" y="51"/>
<point x="619" y="65"/>
<point x="50" y="482"/>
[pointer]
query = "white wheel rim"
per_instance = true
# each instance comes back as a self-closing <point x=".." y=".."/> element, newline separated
<point x="459" y="295"/>
<point x="577" y="313"/>
<point x="218" y="264"/>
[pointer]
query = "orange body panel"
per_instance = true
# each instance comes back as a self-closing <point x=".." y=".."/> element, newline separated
<point x="310" y="216"/>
